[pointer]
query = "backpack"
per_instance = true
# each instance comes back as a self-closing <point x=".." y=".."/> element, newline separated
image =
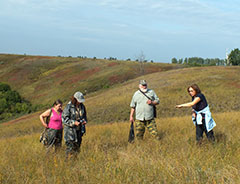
<point x="44" y="135"/>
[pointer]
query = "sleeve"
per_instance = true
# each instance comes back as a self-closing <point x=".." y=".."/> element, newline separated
<point x="85" y="113"/>
<point x="133" y="102"/>
<point x="155" y="97"/>
<point x="200" y="96"/>
<point x="66" y="117"/>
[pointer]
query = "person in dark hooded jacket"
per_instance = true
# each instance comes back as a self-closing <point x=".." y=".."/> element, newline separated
<point x="74" y="118"/>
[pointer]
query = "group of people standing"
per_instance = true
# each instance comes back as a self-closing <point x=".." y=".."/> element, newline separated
<point x="73" y="117"/>
<point x="143" y="105"/>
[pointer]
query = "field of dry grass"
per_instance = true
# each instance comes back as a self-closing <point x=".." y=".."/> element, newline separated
<point x="107" y="157"/>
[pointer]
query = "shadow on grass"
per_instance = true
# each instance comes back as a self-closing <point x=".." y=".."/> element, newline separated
<point x="161" y="134"/>
<point x="220" y="137"/>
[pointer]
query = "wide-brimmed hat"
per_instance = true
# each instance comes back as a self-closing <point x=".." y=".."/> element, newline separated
<point x="79" y="97"/>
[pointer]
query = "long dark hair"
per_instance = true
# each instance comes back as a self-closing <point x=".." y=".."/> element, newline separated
<point x="74" y="101"/>
<point x="57" y="102"/>
<point x="195" y="87"/>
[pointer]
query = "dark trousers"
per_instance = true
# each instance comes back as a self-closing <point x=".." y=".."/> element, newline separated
<point x="202" y="128"/>
<point x="73" y="147"/>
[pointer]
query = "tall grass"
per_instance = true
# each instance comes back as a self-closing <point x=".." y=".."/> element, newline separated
<point x="107" y="157"/>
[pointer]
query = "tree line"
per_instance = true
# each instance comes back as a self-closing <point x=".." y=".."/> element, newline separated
<point x="198" y="61"/>
<point x="232" y="59"/>
<point x="11" y="103"/>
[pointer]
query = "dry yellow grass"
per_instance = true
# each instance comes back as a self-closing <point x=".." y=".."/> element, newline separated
<point x="106" y="157"/>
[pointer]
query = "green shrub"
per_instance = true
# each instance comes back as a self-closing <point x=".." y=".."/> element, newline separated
<point x="11" y="103"/>
<point x="3" y="105"/>
<point x="4" y="87"/>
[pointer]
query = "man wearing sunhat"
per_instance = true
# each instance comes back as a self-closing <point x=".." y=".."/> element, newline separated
<point x="142" y="104"/>
<point x="74" y="118"/>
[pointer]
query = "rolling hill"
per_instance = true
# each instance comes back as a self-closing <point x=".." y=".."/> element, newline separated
<point x="42" y="79"/>
<point x="105" y="156"/>
<point x="111" y="84"/>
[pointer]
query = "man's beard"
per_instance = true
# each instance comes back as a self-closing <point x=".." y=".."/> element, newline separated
<point x="143" y="90"/>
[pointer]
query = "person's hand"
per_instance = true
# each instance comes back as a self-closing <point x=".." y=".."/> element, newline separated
<point x="45" y="125"/>
<point x="131" y="119"/>
<point x="149" y="102"/>
<point x="178" y="106"/>
<point x="76" y="123"/>
<point x="84" y="122"/>
<point x="194" y="114"/>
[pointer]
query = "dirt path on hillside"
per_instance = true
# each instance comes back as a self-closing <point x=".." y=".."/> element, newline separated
<point x="20" y="119"/>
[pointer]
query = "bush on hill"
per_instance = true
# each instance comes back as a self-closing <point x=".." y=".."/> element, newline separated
<point x="11" y="103"/>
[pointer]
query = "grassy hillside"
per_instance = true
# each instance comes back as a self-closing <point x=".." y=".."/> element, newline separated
<point x="42" y="79"/>
<point x="221" y="86"/>
<point x="106" y="157"/>
<point x="111" y="84"/>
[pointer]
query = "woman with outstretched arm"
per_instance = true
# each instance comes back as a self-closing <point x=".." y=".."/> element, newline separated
<point x="201" y="114"/>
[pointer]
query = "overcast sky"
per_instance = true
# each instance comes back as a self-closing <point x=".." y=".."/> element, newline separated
<point x="161" y="29"/>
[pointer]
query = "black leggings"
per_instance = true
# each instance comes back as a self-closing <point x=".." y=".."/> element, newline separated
<point x="202" y="128"/>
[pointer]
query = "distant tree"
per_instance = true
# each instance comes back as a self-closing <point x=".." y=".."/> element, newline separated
<point x="185" y="60"/>
<point x="195" y="61"/>
<point x="112" y="58"/>
<point x="234" y="57"/>
<point x="180" y="61"/>
<point x="141" y="59"/>
<point x="128" y="59"/>
<point x="94" y="58"/>
<point x="207" y="61"/>
<point x="198" y="61"/>
<point x="174" y="60"/>
<point x="151" y="61"/>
